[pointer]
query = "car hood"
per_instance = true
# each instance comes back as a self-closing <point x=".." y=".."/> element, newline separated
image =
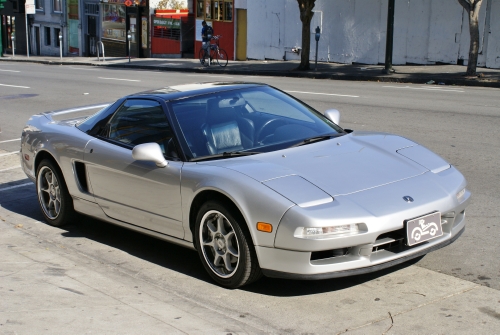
<point x="340" y="166"/>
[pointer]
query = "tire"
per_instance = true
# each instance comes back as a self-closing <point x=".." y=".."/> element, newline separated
<point x="53" y="196"/>
<point x="204" y="57"/>
<point x="225" y="246"/>
<point x="221" y="57"/>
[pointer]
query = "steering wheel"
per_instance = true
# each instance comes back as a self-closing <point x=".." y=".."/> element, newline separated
<point x="268" y="127"/>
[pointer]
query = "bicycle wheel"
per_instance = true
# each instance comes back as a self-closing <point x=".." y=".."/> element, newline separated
<point x="221" y="57"/>
<point x="203" y="56"/>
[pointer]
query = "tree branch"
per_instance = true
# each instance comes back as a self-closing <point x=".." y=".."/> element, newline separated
<point x="466" y="4"/>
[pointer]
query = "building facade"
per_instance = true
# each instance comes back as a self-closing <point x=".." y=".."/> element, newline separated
<point x="352" y="31"/>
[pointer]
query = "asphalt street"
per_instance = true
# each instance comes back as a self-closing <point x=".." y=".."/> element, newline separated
<point x="459" y="123"/>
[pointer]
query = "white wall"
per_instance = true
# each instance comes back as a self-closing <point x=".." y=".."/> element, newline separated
<point x="425" y="31"/>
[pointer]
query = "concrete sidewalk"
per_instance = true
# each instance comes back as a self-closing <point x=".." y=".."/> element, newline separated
<point x="418" y="74"/>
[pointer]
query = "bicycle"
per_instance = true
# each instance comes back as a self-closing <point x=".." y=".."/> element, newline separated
<point x="213" y="51"/>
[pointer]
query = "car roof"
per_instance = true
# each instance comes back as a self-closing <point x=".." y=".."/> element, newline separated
<point x="191" y="90"/>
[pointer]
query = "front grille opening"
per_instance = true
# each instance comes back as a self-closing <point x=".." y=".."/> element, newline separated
<point x="328" y="253"/>
<point x="393" y="241"/>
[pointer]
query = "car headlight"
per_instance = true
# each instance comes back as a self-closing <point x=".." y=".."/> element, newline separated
<point x="460" y="195"/>
<point x="325" y="232"/>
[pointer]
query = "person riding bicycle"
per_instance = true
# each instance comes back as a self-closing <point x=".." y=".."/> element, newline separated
<point x="206" y="35"/>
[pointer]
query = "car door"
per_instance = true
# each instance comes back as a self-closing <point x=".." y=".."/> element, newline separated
<point x="137" y="192"/>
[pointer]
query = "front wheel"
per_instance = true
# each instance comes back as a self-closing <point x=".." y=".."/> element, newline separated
<point x="53" y="196"/>
<point x="226" y="251"/>
<point x="221" y="57"/>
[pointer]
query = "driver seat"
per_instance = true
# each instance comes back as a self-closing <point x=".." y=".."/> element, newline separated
<point x="225" y="130"/>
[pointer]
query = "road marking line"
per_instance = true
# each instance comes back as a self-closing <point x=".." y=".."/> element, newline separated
<point x="337" y="95"/>
<point x="119" y="79"/>
<point x="9" y="153"/>
<point x="14" y="86"/>
<point x="9" y="70"/>
<point x="11" y="168"/>
<point x="73" y="110"/>
<point x="16" y="186"/>
<point x="17" y="139"/>
<point x="425" y="88"/>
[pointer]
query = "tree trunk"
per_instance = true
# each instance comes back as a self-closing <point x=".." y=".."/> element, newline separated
<point x="474" y="42"/>
<point x="472" y="7"/>
<point x="306" y="14"/>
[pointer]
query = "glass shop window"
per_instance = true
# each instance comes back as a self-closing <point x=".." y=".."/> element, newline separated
<point x="208" y="9"/>
<point x="217" y="10"/>
<point x="199" y="9"/>
<point x="47" y="35"/>
<point x="56" y="37"/>
<point x="56" y="6"/>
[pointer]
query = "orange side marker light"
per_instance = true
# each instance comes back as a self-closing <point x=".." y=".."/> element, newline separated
<point x="265" y="227"/>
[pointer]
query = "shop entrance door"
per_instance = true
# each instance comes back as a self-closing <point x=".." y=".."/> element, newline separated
<point x="92" y="36"/>
<point x="37" y="41"/>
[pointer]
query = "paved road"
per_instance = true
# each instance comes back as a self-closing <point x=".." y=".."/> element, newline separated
<point x="461" y="124"/>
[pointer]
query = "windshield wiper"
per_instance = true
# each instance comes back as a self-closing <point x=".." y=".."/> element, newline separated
<point x="315" y="139"/>
<point x="225" y="155"/>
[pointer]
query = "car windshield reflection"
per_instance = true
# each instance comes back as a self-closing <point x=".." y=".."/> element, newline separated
<point x="257" y="120"/>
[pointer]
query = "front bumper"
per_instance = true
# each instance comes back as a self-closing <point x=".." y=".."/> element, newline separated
<point x="362" y="270"/>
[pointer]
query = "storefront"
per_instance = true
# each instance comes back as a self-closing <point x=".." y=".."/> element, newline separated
<point x="13" y="21"/>
<point x="219" y="14"/>
<point x="120" y="17"/>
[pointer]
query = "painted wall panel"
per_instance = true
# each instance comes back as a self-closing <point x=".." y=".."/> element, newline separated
<point x="445" y="24"/>
<point x="417" y="38"/>
<point x="493" y="51"/>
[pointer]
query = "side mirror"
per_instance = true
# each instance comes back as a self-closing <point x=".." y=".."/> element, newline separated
<point x="150" y="152"/>
<point x="333" y="115"/>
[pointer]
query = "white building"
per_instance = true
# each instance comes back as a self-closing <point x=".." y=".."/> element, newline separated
<point x="353" y="31"/>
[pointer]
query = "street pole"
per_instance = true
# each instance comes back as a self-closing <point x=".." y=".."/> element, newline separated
<point x="316" y="37"/>
<point x="1" y="46"/>
<point x="27" y="36"/>
<point x="389" y="39"/>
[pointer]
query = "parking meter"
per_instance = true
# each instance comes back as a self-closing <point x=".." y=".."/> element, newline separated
<point x="129" y="37"/>
<point x="316" y="36"/>
<point x="60" y="44"/>
<point x="13" y="41"/>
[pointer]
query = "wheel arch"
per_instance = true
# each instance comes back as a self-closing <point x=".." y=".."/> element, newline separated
<point x="215" y="195"/>
<point x="40" y="156"/>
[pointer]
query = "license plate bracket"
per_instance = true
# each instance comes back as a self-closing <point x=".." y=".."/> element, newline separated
<point x="423" y="228"/>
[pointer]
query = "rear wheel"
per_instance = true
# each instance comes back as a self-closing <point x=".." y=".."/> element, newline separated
<point x="221" y="57"/>
<point x="225" y="247"/>
<point x="204" y="56"/>
<point x="53" y="196"/>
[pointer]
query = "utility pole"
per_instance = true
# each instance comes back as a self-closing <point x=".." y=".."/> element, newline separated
<point x="389" y="39"/>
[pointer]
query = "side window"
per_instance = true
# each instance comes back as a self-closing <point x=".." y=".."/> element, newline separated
<point x="142" y="121"/>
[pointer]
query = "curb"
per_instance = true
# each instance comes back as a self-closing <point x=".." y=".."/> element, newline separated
<point x="417" y="79"/>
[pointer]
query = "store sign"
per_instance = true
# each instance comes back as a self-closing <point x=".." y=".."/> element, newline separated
<point x="167" y="23"/>
<point x="30" y="9"/>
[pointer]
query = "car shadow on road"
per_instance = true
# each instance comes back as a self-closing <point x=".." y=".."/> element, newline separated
<point x="291" y="288"/>
<point x="177" y="258"/>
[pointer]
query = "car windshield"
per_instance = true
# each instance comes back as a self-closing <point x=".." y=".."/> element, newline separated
<point x="256" y="119"/>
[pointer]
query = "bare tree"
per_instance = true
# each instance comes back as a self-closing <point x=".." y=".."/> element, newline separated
<point x="472" y="7"/>
<point x="171" y="4"/>
<point x="306" y="14"/>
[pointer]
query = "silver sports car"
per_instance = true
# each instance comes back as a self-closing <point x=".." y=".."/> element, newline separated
<point x="256" y="181"/>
